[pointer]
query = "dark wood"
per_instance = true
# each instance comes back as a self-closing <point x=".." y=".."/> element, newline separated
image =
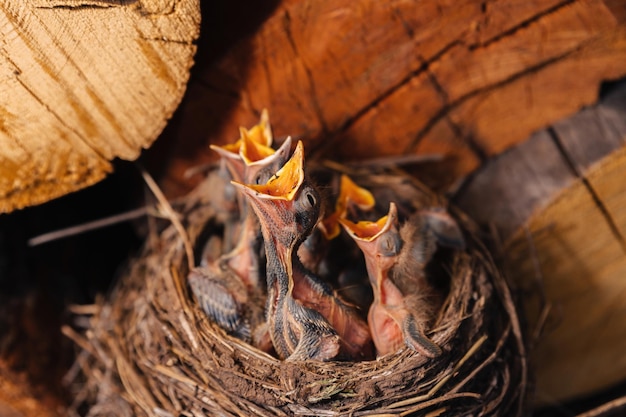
<point x="368" y="79"/>
<point x="558" y="201"/>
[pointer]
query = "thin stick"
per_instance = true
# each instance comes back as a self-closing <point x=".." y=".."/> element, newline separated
<point x="84" y="309"/>
<point x="86" y="227"/>
<point x="436" y="388"/>
<point x="199" y="169"/>
<point x="171" y="214"/>
<point x="613" y="405"/>
<point x="68" y="332"/>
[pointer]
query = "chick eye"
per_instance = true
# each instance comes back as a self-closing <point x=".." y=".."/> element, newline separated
<point x="389" y="245"/>
<point x="311" y="199"/>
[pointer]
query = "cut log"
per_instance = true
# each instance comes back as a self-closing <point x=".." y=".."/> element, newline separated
<point x="83" y="82"/>
<point x="559" y="203"/>
<point x="365" y="78"/>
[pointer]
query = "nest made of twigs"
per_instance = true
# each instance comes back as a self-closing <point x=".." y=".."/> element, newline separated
<point x="150" y="350"/>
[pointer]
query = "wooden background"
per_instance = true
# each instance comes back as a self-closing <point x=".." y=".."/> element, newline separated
<point x="491" y="86"/>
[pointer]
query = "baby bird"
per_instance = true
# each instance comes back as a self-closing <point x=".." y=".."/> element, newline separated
<point x="244" y="257"/>
<point x="313" y="251"/>
<point x="288" y="209"/>
<point x="336" y="257"/>
<point x="404" y="301"/>
<point x="228" y="287"/>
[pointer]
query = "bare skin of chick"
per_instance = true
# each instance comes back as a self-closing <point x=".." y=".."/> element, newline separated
<point x="404" y="301"/>
<point x="288" y="209"/>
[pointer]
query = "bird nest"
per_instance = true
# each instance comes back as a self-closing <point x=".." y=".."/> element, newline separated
<point x="150" y="350"/>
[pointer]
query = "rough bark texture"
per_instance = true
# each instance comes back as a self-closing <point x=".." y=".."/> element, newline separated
<point x="360" y="79"/>
<point x="83" y="82"/>
<point x="558" y="202"/>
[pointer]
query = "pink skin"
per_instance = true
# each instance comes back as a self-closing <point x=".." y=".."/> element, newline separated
<point x="242" y="260"/>
<point x="388" y="317"/>
<point x="387" y="310"/>
<point x="288" y="208"/>
<point x="356" y="340"/>
<point x="384" y="317"/>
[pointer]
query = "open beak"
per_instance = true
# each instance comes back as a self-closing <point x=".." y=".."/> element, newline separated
<point x="261" y="162"/>
<point x="250" y="150"/>
<point x="283" y="185"/>
<point x="260" y="135"/>
<point x="368" y="231"/>
<point x="273" y="201"/>
<point x="366" y="235"/>
<point x="349" y="193"/>
<point x="262" y="132"/>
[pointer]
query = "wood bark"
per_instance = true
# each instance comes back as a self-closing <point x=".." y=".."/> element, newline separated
<point x="83" y="82"/>
<point x="558" y="202"/>
<point x="357" y="79"/>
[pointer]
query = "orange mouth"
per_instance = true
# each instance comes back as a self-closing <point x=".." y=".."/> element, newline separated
<point x="367" y="230"/>
<point x="356" y="195"/>
<point x="260" y="134"/>
<point x="252" y="151"/>
<point x="286" y="182"/>
<point x="349" y="192"/>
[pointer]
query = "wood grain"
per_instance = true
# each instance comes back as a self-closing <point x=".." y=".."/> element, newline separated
<point x="83" y="82"/>
<point x="558" y="201"/>
<point x="367" y="78"/>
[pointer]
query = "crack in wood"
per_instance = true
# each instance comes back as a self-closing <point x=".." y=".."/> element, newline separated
<point x="459" y="101"/>
<point x="314" y="99"/>
<point x="604" y="211"/>
<point x="405" y="25"/>
<point x="163" y="12"/>
<point x="60" y="120"/>
<point x="16" y="71"/>
<point x="84" y="4"/>
<point x="350" y="121"/>
<point x="169" y="40"/>
<point x="443" y="113"/>
<point x="520" y="26"/>
<point x="474" y="146"/>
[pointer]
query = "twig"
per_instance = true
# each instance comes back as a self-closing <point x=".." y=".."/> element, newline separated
<point x="396" y="160"/>
<point x="171" y="214"/>
<point x="84" y="309"/>
<point x="79" y="340"/>
<point x="89" y="226"/>
<point x="612" y="405"/>
<point x="487" y="361"/>
<point x="199" y="169"/>
<point x="436" y="388"/>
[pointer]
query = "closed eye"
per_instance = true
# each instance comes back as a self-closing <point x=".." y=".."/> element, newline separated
<point x="390" y="244"/>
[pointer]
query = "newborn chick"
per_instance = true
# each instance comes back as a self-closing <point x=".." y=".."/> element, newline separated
<point x="404" y="301"/>
<point x="288" y="209"/>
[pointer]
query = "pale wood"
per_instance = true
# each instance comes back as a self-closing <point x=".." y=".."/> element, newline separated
<point x="83" y="82"/>
<point x="357" y="79"/>
<point x="558" y="202"/>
